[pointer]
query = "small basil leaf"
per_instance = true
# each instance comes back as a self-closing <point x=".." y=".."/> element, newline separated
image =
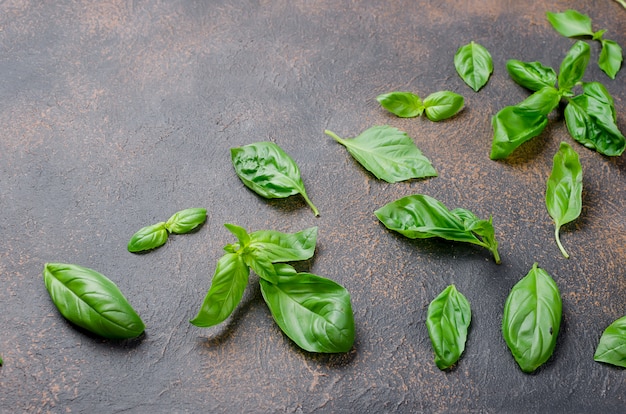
<point x="512" y="127"/>
<point x="574" y="65"/>
<point x="261" y="264"/>
<point x="92" y="301"/>
<point x="542" y="102"/>
<point x="402" y="104"/>
<point x="268" y="171"/>
<point x="442" y="105"/>
<point x="388" y="153"/>
<point x="570" y="23"/>
<point x="610" y="60"/>
<point x="448" y="319"/>
<point x="532" y="318"/>
<point x="474" y="65"/>
<point x="186" y="220"/>
<point x="420" y="216"/>
<point x="312" y="311"/>
<point x="531" y="75"/>
<point x="612" y="346"/>
<point x="227" y="287"/>
<point x="149" y="237"/>
<point x="239" y="232"/>
<point x="285" y="247"/>
<point x="564" y="190"/>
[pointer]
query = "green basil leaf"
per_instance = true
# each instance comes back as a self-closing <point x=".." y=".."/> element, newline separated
<point x="564" y="190"/>
<point x="149" y="237"/>
<point x="92" y="301"/>
<point x="388" y="153"/>
<point x="261" y="264"/>
<point x="312" y="311"/>
<point x="602" y="102"/>
<point x="268" y="171"/>
<point x="612" y="346"/>
<point x="442" y="105"/>
<point x="570" y="23"/>
<point x="531" y="75"/>
<point x="532" y="317"/>
<point x="186" y="220"/>
<point x="512" y="127"/>
<point x="239" y="232"/>
<point x="227" y="287"/>
<point x="474" y="65"/>
<point x="285" y="247"/>
<point x="448" y="319"/>
<point x="402" y="104"/>
<point x="610" y="60"/>
<point x="542" y="102"/>
<point x="574" y="65"/>
<point x="420" y="216"/>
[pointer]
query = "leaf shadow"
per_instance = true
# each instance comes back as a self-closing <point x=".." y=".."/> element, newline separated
<point x="116" y="344"/>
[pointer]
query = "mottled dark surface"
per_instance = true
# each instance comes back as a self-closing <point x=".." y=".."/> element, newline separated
<point x="115" y="114"/>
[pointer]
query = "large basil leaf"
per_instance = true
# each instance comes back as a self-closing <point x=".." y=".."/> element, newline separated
<point x="312" y="311"/>
<point x="442" y="105"/>
<point x="420" y="216"/>
<point x="285" y="247"/>
<point x="564" y="190"/>
<point x="448" y="320"/>
<point x="388" y="153"/>
<point x="474" y="65"/>
<point x="612" y="346"/>
<point x="573" y="65"/>
<point x="268" y="171"/>
<point x="186" y="220"/>
<point x="402" y="104"/>
<point x="610" y="60"/>
<point x="90" y="300"/>
<point x="512" y="127"/>
<point x="570" y="23"/>
<point x="532" y="317"/>
<point x="147" y="238"/>
<point x="531" y="75"/>
<point x="227" y="287"/>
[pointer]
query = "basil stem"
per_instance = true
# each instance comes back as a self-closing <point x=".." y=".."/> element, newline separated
<point x="612" y="346"/>
<point x="474" y="65"/>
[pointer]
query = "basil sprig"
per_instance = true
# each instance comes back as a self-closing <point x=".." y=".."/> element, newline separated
<point x="437" y="106"/>
<point x="448" y="319"/>
<point x="313" y="311"/>
<point x="532" y="318"/>
<point x="155" y="235"/>
<point x="388" y="153"/>
<point x="612" y="346"/>
<point x="92" y="301"/>
<point x="266" y="169"/>
<point x="474" y="65"/>
<point x="420" y="216"/>
<point x="572" y="23"/>
<point x="564" y="190"/>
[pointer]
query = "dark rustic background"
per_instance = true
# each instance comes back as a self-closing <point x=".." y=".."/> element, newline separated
<point x="116" y="114"/>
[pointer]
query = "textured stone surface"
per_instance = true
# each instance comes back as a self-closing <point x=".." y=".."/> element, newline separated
<point x="115" y="114"/>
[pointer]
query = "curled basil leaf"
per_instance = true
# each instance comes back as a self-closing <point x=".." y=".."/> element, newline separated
<point x="612" y="346"/>
<point x="531" y="75"/>
<point x="268" y="171"/>
<point x="186" y="220"/>
<point x="573" y="66"/>
<point x="147" y="238"/>
<point x="312" y="311"/>
<point x="402" y="104"/>
<point x="92" y="301"/>
<point x="285" y="247"/>
<point x="512" y="127"/>
<point x="570" y="23"/>
<point x="448" y="319"/>
<point x="388" y="153"/>
<point x="474" y="65"/>
<point x="610" y="60"/>
<point x="532" y="318"/>
<point x="420" y="216"/>
<point x="442" y="105"/>
<point x="564" y="190"/>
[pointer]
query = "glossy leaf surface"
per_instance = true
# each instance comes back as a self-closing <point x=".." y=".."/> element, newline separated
<point x="531" y="75"/>
<point x="312" y="311"/>
<point x="532" y="318"/>
<point x="612" y="346"/>
<point x="268" y="171"/>
<point x="388" y="153"/>
<point x="512" y="127"/>
<point x="570" y="23"/>
<point x="92" y="301"/>
<point x="610" y="60"/>
<point x="474" y="65"/>
<point x="285" y="247"/>
<point x="186" y="220"/>
<point x="420" y="216"/>
<point x="442" y="105"/>
<point x="564" y="190"/>
<point x="147" y="238"/>
<point x="574" y="65"/>
<point x="402" y="104"/>
<point x="448" y="319"/>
